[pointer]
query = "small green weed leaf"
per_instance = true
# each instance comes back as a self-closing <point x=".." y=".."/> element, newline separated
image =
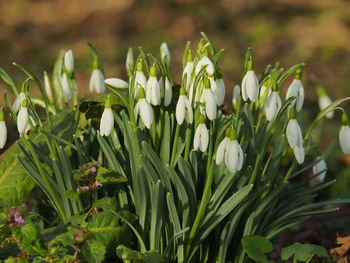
<point x="256" y="247"/>
<point x="127" y="254"/>
<point x="108" y="176"/>
<point x="94" y="251"/>
<point x="303" y="252"/>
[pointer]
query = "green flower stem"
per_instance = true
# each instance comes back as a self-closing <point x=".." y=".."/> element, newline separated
<point x="202" y="206"/>
<point x="188" y="143"/>
<point x="174" y="151"/>
<point x="46" y="181"/>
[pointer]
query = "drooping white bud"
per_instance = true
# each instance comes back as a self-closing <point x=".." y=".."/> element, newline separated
<point x="117" y="83"/>
<point x="205" y="62"/>
<point x="97" y="83"/>
<point x="344" y="138"/>
<point x="236" y="95"/>
<point x="144" y="110"/>
<point x="165" y="53"/>
<point x="218" y="90"/>
<point x="293" y="132"/>
<point x="153" y="88"/>
<point x="250" y="86"/>
<point x="324" y="101"/>
<point x="320" y="169"/>
<point x="272" y="106"/>
<point x="3" y="130"/>
<point x="183" y="109"/>
<point x="69" y="61"/>
<point x="201" y="137"/>
<point x="67" y="93"/>
<point x="18" y="102"/>
<point x="168" y="92"/>
<point x="23" y="117"/>
<point x="107" y="119"/>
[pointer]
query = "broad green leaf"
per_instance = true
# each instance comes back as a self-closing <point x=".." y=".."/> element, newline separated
<point x="93" y="251"/>
<point x="303" y="252"/>
<point x="128" y="255"/>
<point x="256" y="247"/>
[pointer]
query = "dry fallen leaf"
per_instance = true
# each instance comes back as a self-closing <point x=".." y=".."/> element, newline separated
<point x="340" y="253"/>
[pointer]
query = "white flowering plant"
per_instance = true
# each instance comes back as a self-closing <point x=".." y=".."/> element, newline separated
<point x="162" y="163"/>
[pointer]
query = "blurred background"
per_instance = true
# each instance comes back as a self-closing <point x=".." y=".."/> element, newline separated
<point x="317" y="32"/>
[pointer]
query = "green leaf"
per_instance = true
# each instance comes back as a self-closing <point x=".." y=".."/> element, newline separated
<point x="93" y="251"/>
<point x="126" y="253"/>
<point x="108" y="176"/>
<point x="303" y="252"/>
<point x="256" y="247"/>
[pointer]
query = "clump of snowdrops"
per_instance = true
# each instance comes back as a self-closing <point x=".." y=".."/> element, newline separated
<point x="198" y="179"/>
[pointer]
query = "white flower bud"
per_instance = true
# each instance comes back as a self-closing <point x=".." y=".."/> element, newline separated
<point x="117" y="83"/>
<point x="324" y="101"/>
<point x="201" y="138"/>
<point x="273" y="106"/>
<point x="97" y="83"/>
<point x="48" y="89"/>
<point x="129" y="60"/>
<point x="165" y="53"/>
<point x="299" y="153"/>
<point x="205" y="62"/>
<point x="183" y="109"/>
<point x="107" y="120"/>
<point x="18" y="102"/>
<point x="22" y="117"/>
<point x="236" y="95"/>
<point x="218" y="90"/>
<point x="293" y="132"/>
<point x="168" y="92"/>
<point x="250" y="86"/>
<point x="3" y="130"/>
<point x="320" y="169"/>
<point x="188" y="74"/>
<point x="296" y="90"/>
<point x="69" y="61"/>
<point x="344" y="139"/>
<point x="234" y="156"/>
<point x="210" y="104"/>
<point x="145" y="111"/>
<point x="67" y="93"/>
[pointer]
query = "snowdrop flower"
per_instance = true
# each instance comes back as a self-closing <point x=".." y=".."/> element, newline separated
<point x="320" y="169"/>
<point x="299" y="153"/>
<point x="183" y="108"/>
<point x="153" y="88"/>
<point x="295" y="138"/>
<point x="201" y="136"/>
<point x="33" y="123"/>
<point x="205" y="62"/>
<point x="208" y="99"/>
<point x="107" y="119"/>
<point x="67" y="93"/>
<point x="140" y="79"/>
<point x="117" y="83"/>
<point x="324" y="101"/>
<point x="23" y="117"/>
<point x="144" y="109"/>
<point x="344" y="135"/>
<point x="18" y="102"/>
<point x="293" y="132"/>
<point x="129" y="64"/>
<point x="265" y="91"/>
<point x="230" y="151"/>
<point x="236" y="95"/>
<point x="273" y="104"/>
<point x="3" y="130"/>
<point x="48" y="88"/>
<point x="165" y="53"/>
<point x="296" y="90"/>
<point x="188" y="71"/>
<point x="69" y="61"/>
<point x="218" y="88"/>
<point x="250" y="84"/>
<point x="97" y="82"/>
<point x="167" y="91"/>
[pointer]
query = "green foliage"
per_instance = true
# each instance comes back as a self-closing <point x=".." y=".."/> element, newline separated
<point x="304" y="252"/>
<point x="256" y="247"/>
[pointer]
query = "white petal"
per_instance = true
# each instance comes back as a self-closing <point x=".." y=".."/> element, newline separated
<point x="231" y="157"/>
<point x="220" y="152"/>
<point x="300" y="99"/>
<point x="180" y="110"/>
<point x="244" y="88"/>
<point x="107" y="122"/>
<point x="205" y="61"/>
<point x="293" y="133"/>
<point x="240" y="157"/>
<point x="252" y="85"/>
<point x="65" y="87"/>
<point x="320" y="169"/>
<point x="165" y="53"/>
<point x="69" y="61"/>
<point x="324" y="101"/>
<point x="117" y="83"/>
<point x="168" y="92"/>
<point x="272" y="106"/>
<point x="218" y="89"/>
<point x="137" y="110"/>
<point x="140" y="80"/>
<point x="236" y="94"/>
<point x="188" y="70"/>
<point x="204" y="137"/>
<point x="3" y="134"/>
<point x="344" y="139"/>
<point x="18" y="102"/>
<point x="210" y="104"/>
<point x="146" y="113"/>
<point x="189" y="111"/>
<point x="22" y="119"/>
<point x="299" y="153"/>
<point x="196" y="140"/>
